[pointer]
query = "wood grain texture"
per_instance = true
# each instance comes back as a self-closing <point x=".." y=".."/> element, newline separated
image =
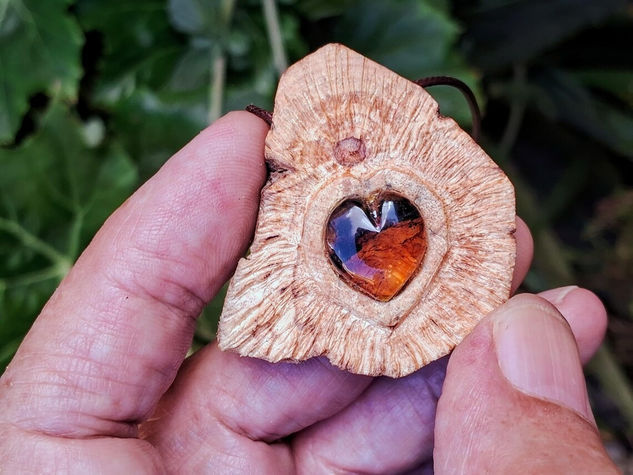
<point x="286" y="302"/>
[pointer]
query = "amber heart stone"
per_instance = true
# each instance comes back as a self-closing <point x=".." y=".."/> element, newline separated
<point x="376" y="244"/>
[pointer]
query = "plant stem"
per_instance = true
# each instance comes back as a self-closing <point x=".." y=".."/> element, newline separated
<point x="218" y="73"/>
<point x="227" y="12"/>
<point x="33" y="242"/>
<point x="271" y="17"/>
<point x="57" y="272"/>
<point x="517" y="109"/>
<point x="75" y="234"/>
<point x="4" y="6"/>
<point x="606" y="369"/>
<point x="218" y="65"/>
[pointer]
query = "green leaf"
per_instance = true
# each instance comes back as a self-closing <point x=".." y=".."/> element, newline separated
<point x="56" y="190"/>
<point x="207" y="18"/>
<point x="319" y="9"/>
<point x="409" y="37"/>
<point x="141" y="47"/>
<point x="153" y="126"/>
<point x="501" y="33"/>
<point x="207" y="323"/>
<point x="39" y="52"/>
<point x="618" y="82"/>
<point x="570" y="102"/>
<point x="413" y="38"/>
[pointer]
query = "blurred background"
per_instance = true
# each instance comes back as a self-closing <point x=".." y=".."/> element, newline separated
<point x="96" y="94"/>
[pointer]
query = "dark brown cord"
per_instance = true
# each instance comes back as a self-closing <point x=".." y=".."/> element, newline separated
<point x="424" y="82"/>
<point x="261" y="113"/>
<point x="465" y="90"/>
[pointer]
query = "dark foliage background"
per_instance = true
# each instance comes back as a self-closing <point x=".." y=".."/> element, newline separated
<point x="96" y="94"/>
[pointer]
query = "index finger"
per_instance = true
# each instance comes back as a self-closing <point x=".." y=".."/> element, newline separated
<point x="110" y="340"/>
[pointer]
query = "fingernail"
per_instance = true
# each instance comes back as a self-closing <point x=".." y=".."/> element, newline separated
<point x="538" y="355"/>
<point x="557" y="296"/>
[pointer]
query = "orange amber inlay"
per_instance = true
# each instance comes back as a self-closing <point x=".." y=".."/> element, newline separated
<point x="376" y="244"/>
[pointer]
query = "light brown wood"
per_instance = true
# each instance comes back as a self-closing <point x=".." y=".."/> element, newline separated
<point x="345" y="126"/>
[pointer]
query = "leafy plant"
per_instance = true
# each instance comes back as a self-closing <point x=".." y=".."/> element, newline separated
<point x="56" y="189"/>
<point x="40" y="52"/>
<point x="96" y="94"/>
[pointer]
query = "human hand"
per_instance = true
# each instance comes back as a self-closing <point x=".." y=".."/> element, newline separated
<point x="99" y="384"/>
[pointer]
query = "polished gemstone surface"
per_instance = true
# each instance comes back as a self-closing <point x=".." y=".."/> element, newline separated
<point x="376" y="243"/>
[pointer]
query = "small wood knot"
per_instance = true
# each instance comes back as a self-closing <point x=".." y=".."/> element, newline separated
<point x="350" y="151"/>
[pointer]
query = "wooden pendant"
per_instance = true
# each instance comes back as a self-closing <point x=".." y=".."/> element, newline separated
<point x="384" y="232"/>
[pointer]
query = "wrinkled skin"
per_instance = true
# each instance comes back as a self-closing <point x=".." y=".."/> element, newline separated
<point x="99" y="384"/>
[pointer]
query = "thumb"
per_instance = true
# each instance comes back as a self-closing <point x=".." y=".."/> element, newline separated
<point x="514" y="398"/>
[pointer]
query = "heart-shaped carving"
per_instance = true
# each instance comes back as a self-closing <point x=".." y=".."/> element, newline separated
<point x="376" y="244"/>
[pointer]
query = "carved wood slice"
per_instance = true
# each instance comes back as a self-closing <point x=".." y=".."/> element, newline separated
<point x="345" y="126"/>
